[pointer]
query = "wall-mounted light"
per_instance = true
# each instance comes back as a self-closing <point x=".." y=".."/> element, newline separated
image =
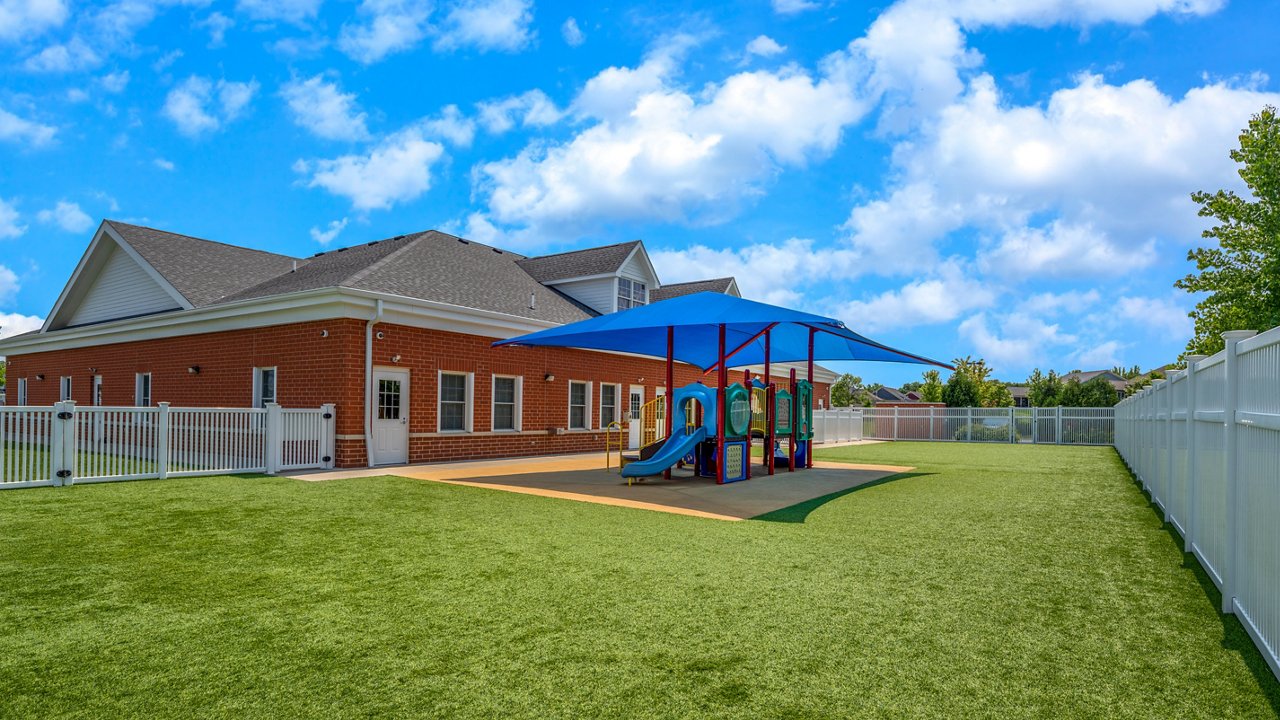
<point x="324" y="333"/>
<point x="40" y="376"/>
<point x="549" y="377"/>
<point x="194" y="370"/>
<point x="395" y="358"/>
<point x="640" y="380"/>
<point x="93" y="370"/>
<point x="381" y="335"/>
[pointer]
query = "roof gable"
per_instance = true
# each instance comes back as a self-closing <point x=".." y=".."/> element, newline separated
<point x="725" y="285"/>
<point x="580" y="264"/>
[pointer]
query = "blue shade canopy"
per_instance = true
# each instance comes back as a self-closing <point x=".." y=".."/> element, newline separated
<point x="696" y="319"/>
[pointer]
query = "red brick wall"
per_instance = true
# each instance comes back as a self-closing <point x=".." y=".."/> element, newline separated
<point x="313" y="369"/>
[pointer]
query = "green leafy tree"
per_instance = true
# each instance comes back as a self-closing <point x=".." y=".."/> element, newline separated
<point x="931" y="388"/>
<point x="1241" y="271"/>
<point x="1072" y="394"/>
<point x="995" y="394"/>
<point x="846" y="391"/>
<point x="913" y="386"/>
<point x="964" y="387"/>
<point x="1044" y="390"/>
<point x="1098" y="392"/>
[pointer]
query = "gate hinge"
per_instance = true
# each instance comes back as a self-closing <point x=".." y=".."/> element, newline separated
<point x="64" y="474"/>
<point x="326" y="458"/>
<point x="328" y="416"/>
<point x="64" y="415"/>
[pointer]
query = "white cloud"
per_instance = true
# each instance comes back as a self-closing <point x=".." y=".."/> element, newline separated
<point x="531" y="109"/>
<point x="115" y="82"/>
<point x="26" y="19"/>
<point x="199" y="106"/>
<point x="386" y="27"/>
<point x="163" y="164"/>
<point x="487" y="25"/>
<point x="326" y="236"/>
<point x="217" y="24"/>
<point x="451" y="125"/>
<point x="290" y="11"/>
<point x="764" y="46"/>
<point x="14" y="323"/>
<point x="655" y="151"/>
<point x="1020" y="341"/>
<point x="396" y="170"/>
<point x="18" y="130"/>
<point x="66" y="215"/>
<point x="165" y="61"/>
<point x="323" y="108"/>
<point x="792" y="264"/>
<point x="1103" y="355"/>
<point x="571" y="33"/>
<point x="10" y="227"/>
<point x="1071" y="301"/>
<point x="1159" y="316"/>
<point x="944" y="296"/>
<point x="1064" y="251"/>
<point x="791" y="7"/>
<point x="70" y="56"/>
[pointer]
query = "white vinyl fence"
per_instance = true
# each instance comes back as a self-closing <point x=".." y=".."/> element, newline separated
<point x="1051" y="426"/>
<point x="837" y="425"/>
<point x="66" y="444"/>
<point x="1206" y="444"/>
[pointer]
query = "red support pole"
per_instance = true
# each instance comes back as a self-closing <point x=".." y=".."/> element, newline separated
<point x="791" y="443"/>
<point x="671" y="374"/>
<point x="768" y="405"/>
<point x="808" y="450"/>
<point x="721" y="411"/>
<point x="746" y="382"/>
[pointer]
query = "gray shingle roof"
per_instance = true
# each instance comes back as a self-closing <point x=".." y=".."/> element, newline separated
<point x="578" y="263"/>
<point x="430" y="266"/>
<point x="666" y="292"/>
<point x="203" y="271"/>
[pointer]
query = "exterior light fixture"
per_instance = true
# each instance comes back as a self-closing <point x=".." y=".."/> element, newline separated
<point x="40" y="376"/>
<point x="395" y="358"/>
<point x="549" y="377"/>
<point x="194" y="370"/>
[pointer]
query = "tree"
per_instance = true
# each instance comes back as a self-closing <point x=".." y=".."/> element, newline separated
<point x="996" y="394"/>
<point x="1098" y="392"/>
<point x="1241" y="273"/>
<point x="931" y="388"/>
<point x="964" y="387"/>
<point x="1044" y="390"/>
<point x="913" y="386"/>
<point x="846" y="390"/>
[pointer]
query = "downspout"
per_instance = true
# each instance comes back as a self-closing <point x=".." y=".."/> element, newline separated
<point x="368" y="383"/>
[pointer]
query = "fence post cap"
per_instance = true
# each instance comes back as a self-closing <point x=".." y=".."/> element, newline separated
<point x="1238" y="334"/>
<point x="163" y="405"/>
<point x="1195" y="359"/>
<point x="1157" y="382"/>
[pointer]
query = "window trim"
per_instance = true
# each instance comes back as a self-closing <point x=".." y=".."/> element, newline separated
<point x="65" y="387"/>
<point x="586" y="406"/>
<point x="617" y="402"/>
<point x="22" y="392"/>
<point x="469" y="406"/>
<point x="631" y="302"/>
<point x="257" y="386"/>
<point x="95" y="391"/>
<point x="517" y="412"/>
<point x="137" y="389"/>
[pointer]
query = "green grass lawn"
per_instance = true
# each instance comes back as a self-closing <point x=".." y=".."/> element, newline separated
<point x="996" y="581"/>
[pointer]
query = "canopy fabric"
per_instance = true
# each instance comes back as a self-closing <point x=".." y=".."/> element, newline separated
<point x="695" y="320"/>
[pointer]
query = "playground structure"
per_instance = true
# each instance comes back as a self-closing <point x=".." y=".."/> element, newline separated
<point x="711" y="426"/>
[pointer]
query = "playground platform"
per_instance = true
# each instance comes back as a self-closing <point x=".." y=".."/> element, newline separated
<point x="583" y="478"/>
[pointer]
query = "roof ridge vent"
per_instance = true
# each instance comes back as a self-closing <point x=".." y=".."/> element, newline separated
<point x="464" y="241"/>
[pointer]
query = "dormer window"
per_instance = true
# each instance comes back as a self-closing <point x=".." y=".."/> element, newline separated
<point x="631" y="293"/>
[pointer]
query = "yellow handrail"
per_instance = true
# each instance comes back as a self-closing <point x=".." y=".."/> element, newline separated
<point x="609" y="429"/>
<point x="653" y="421"/>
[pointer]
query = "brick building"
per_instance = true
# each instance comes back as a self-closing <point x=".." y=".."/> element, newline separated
<point x="396" y="333"/>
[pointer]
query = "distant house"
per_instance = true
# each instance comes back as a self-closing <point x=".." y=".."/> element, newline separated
<point x="890" y="395"/>
<point x="728" y="286"/>
<point x="913" y="395"/>
<point x="1084" y="376"/>
<point x="1021" y="395"/>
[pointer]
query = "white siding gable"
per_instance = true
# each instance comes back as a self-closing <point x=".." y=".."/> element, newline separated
<point x="637" y="268"/>
<point x="122" y="289"/>
<point x="596" y="293"/>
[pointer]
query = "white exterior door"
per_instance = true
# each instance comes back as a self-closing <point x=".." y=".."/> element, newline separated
<point x="635" y="401"/>
<point x="390" y="417"/>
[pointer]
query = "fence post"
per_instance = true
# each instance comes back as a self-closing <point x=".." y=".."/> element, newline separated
<point x="1012" y="432"/>
<point x="968" y="424"/>
<point x="273" y="439"/>
<point x="1193" y="453"/>
<point x="1057" y="427"/>
<point x="1171" y="504"/>
<point x="895" y="422"/>
<point x="1230" y="401"/>
<point x="162" y="441"/>
<point x="1159" y="482"/>
<point x="329" y="418"/>
<point x="931" y="421"/>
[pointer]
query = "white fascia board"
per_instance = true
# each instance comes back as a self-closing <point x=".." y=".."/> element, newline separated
<point x="639" y="248"/>
<point x="75" y="275"/>
<point x="151" y="272"/>
<point x="600" y="276"/>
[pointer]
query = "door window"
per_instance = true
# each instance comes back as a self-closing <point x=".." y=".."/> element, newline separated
<point x="388" y="399"/>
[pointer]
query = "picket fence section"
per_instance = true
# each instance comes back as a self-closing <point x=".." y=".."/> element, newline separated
<point x="1206" y="444"/>
<point x="837" y="425"/>
<point x="1051" y="426"/>
<point x="66" y="444"/>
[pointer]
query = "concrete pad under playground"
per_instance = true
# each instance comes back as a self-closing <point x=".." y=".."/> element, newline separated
<point x="584" y="478"/>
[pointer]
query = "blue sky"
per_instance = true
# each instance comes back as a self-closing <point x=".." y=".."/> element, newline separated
<point x="1006" y="180"/>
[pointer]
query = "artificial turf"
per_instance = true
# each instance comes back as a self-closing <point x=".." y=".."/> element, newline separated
<point x="995" y="581"/>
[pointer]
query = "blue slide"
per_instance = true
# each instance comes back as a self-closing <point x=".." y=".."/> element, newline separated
<point x="675" y="448"/>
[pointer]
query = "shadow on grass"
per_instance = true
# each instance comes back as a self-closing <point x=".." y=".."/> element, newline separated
<point x="1234" y="637"/>
<point x="799" y="512"/>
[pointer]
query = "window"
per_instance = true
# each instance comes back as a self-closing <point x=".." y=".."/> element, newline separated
<point x="64" y="388"/>
<point x="506" y="403"/>
<point x="579" y="401"/>
<point x="97" y="390"/>
<point x="389" y="399"/>
<point x="22" y="391"/>
<point x="142" y="390"/>
<point x="455" y="402"/>
<point x="608" y="405"/>
<point x="631" y="293"/>
<point x="264" y="386"/>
